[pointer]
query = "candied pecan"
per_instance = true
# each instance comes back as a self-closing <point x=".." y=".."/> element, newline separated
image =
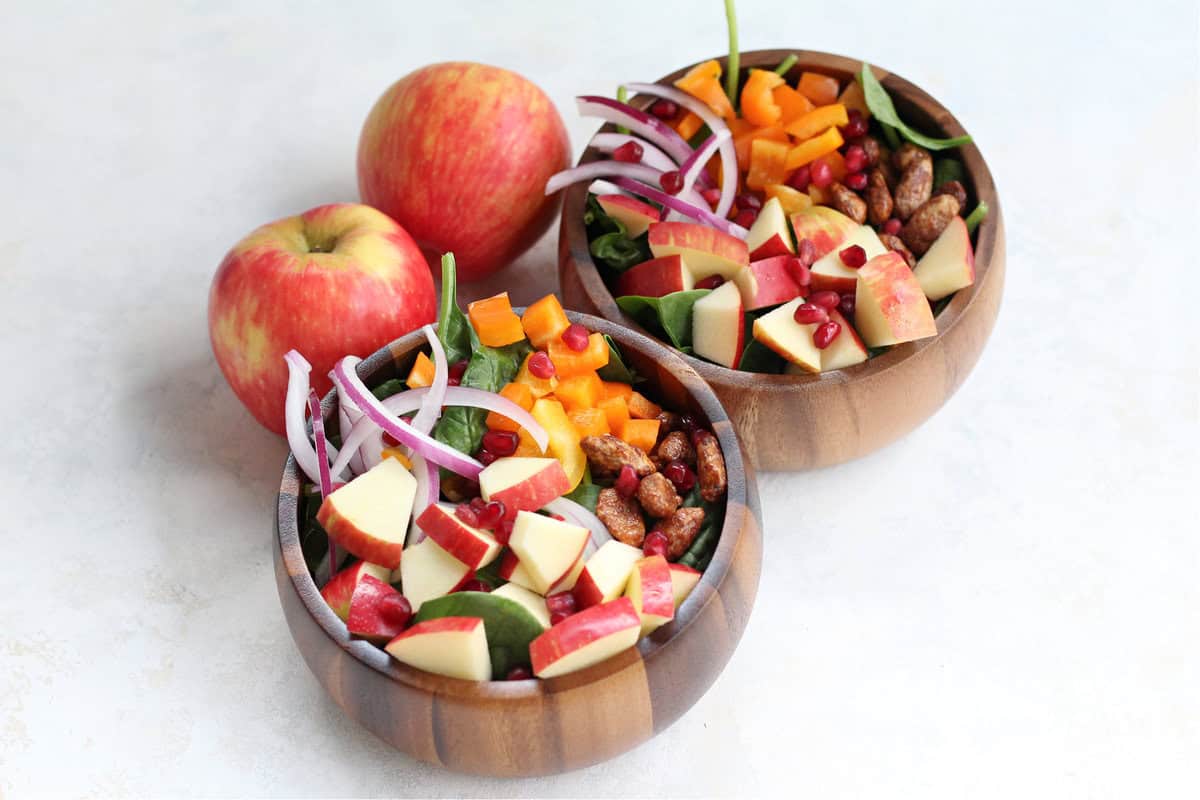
<point x="916" y="180"/>
<point x="675" y="447"/>
<point x="459" y="489"/>
<point x="849" y="203"/>
<point x="879" y="197"/>
<point x="894" y="243"/>
<point x="667" y="421"/>
<point x="927" y="222"/>
<point x="607" y="454"/>
<point x="954" y="188"/>
<point x="909" y="154"/>
<point x="657" y="495"/>
<point x="621" y="516"/>
<point x="710" y="466"/>
<point x="680" y="529"/>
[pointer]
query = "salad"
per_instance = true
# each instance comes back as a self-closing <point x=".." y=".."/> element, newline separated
<point x="515" y="507"/>
<point x="774" y="223"/>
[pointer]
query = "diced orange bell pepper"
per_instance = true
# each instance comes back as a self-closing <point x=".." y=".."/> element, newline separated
<point x="703" y="82"/>
<point x="688" y="125"/>
<point x="814" y="148"/>
<point x="792" y="104"/>
<point x="744" y="141"/>
<point x="641" y="433"/>
<point x="396" y="453"/>
<point x="589" y="421"/>
<point x="817" y="120"/>
<point x="852" y="97"/>
<point x="758" y="104"/>
<point x="527" y="447"/>
<point x="616" y="410"/>
<point x="564" y="438"/>
<point x="494" y="321"/>
<point x="768" y="163"/>
<point x="580" y="391"/>
<point x="791" y="199"/>
<point x="568" y="362"/>
<point x="837" y="164"/>
<point x="421" y="374"/>
<point x="616" y="389"/>
<point x="821" y="89"/>
<point x="539" y="387"/>
<point x="640" y="407"/>
<point x="520" y="394"/>
<point x="544" y="320"/>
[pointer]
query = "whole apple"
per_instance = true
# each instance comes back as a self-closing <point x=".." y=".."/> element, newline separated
<point x="339" y="279"/>
<point x="459" y="154"/>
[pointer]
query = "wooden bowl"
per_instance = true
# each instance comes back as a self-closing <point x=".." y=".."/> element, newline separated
<point x="789" y="422"/>
<point x="539" y="727"/>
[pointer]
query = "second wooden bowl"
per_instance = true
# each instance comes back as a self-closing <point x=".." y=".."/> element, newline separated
<point x="537" y="727"/>
<point x="790" y="422"/>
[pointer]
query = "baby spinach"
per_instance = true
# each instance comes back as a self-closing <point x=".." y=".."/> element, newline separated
<point x="881" y="106"/>
<point x="388" y="388"/>
<point x="509" y="626"/>
<point x="586" y="493"/>
<point x="616" y="370"/>
<point x="489" y="369"/>
<point x="609" y="242"/>
<point x="453" y="326"/>
<point x="757" y="357"/>
<point x="946" y="170"/>
<point x="976" y="216"/>
<point x="671" y="313"/>
<point x="700" y="552"/>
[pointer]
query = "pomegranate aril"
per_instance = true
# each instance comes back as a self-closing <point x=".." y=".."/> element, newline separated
<point x="561" y="603"/>
<point x="456" y="371"/>
<point x="856" y="181"/>
<point x="475" y="585"/>
<point x="477" y="504"/>
<point x="627" y="481"/>
<point x="800" y="179"/>
<point x="822" y="174"/>
<point x="503" y="531"/>
<point x="711" y="196"/>
<point x="711" y="282"/>
<point x="389" y="440"/>
<point x="491" y="515"/>
<point x="467" y="515"/>
<point x="655" y="544"/>
<point x="395" y="609"/>
<point x="798" y="271"/>
<point x="856" y="124"/>
<point x="746" y="217"/>
<point x="630" y="153"/>
<point x="747" y="200"/>
<point x="856" y="159"/>
<point x="557" y="618"/>
<point x="688" y="424"/>
<point x="518" y="674"/>
<point x="846" y="306"/>
<point x="576" y="337"/>
<point x="664" y="109"/>
<point x="853" y="256"/>
<point x="486" y="457"/>
<point x="502" y="443"/>
<point x="681" y="475"/>
<point x="540" y="365"/>
<point x="671" y="182"/>
<point x="810" y="313"/>
<point x="892" y="226"/>
<point x="825" y="333"/>
<point x="806" y="251"/>
<point x="826" y="299"/>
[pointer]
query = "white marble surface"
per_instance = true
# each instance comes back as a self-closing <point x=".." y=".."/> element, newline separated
<point x="1004" y="604"/>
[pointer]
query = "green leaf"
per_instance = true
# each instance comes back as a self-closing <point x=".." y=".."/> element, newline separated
<point x="977" y="216"/>
<point x="880" y="103"/>
<point x="616" y="371"/>
<point x="757" y="357"/>
<point x="453" y="328"/>
<point x="388" y="388"/>
<point x="490" y="574"/>
<point x="700" y="552"/>
<point x="608" y="241"/>
<point x="946" y="170"/>
<point x="489" y="369"/>
<point x="586" y="493"/>
<point x="671" y="313"/>
<point x="508" y="625"/>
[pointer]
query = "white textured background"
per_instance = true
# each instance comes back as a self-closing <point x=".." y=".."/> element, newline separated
<point x="1004" y="604"/>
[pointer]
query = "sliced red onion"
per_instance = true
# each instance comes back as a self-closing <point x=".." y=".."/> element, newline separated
<point x="701" y="214"/>
<point x="693" y="168"/>
<point x="490" y="401"/>
<point x="429" y="489"/>
<point x="318" y="426"/>
<point x="294" y="408"/>
<point x="422" y="444"/>
<point x="600" y="188"/>
<point x="347" y="416"/>
<point x="578" y="515"/>
<point x="431" y="405"/>
<point x="610" y="169"/>
<point x="651" y="155"/>
<point x="729" y="165"/>
<point x="639" y="122"/>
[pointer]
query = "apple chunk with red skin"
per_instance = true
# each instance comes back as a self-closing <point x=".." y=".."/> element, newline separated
<point x="889" y="307"/>
<point x="949" y="264"/>
<point x="605" y="574"/>
<point x="846" y="349"/>
<point x="706" y="251"/>
<point x="718" y="326"/>
<point x="771" y="285"/>
<point x="769" y="235"/>
<point x="452" y="646"/>
<point x="831" y="273"/>
<point x="651" y="591"/>
<point x="512" y="571"/>
<point x="470" y="545"/>
<point x="825" y="227"/>
<point x="547" y="548"/>
<point x="683" y="580"/>
<point x="427" y="571"/>
<point x="523" y="484"/>
<point x="586" y="638"/>
<point x="635" y="215"/>
<point x="779" y="331"/>
<point x="656" y="277"/>
<point x="369" y="515"/>
<point x="377" y="611"/>
<point x="339" y="590"/>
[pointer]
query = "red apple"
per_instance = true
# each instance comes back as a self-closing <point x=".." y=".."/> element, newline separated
<point x="339" y="590"/>
<point x="459" y="154"/>
<point x="337" y="279"/>
<point x="377" y="611"/>
<point x="824" y="227"/>
<point x="718" y="326"/>
<point x="454" y="646"/>
<point x="829" y="272"/>
<point x="683" y="580"/>
<point x="547" y="548"/>
<point x="605" y="574"/>
<point x="949" y="265"/>
<point x="369" y="515"/>
<point x="769" y="235"/>
<point x="427" y="571"/>
<point x="779" y="331"/>
<point x="512" y="571"/>
<point x="652" y="592"/>
<point x="586" y="638"/>
<point x="655" y="278"/>
<point x="474" y="547"/>
<point x="771" y="283"/>
<point x="844" y="351"/>
<point x="706" y="251"/>
<point x="890" y="307"/>
<point x="635" y="215"/>
<point x="523" y="483"/>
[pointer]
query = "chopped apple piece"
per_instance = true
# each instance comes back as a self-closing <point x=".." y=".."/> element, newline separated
<point x="718" y="327"/>
<point x="769" y="235"/>
<point x="586" y="638"/>
<point x="338" y="591"/>
<point x="844" y="351"/>
<point x="655" y="278"/>
<point x="534" y="603"/>
<point x="369" y="515"/>
<point x="548" y="548"/>
<point x="890" y="307"/>
<point x="512" y="571"/>
<point x="829" y="273"/>
<point x="771" y="283"/>
<point x="427" y="571"/>
<point x="377" y="611"/>
<point x="779" y="331"/>
<point x="650" y="588"/>
<point x="683" y="580"/>
<point x="706" y="251"/>
<point x="635" y="215"/>
<point x="949" y="264"/>
<point x="825" y="227"/>
<point x="523" y="484"/>
<point x="474" y="547"/>
<point x="452" y="646"/>
<point x="605" y="574"/>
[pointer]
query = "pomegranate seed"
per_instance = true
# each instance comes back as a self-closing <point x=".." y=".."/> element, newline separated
<point x="810" y="313"/>
<point x="801" y="274"/>
<point x="853" y="256"/>
<point x="477" y="504"/>
<point x="892" y="226"/>
<point x="856" y="158"/>
<point x="467" y="515"/>
<point x="711" y="282"/>
<point x="561" y="603"/>
<point x="711" y="196"/>
<point x="681" y="475"/>
<point x="456" y="371"/>
<point x="557" y="618"/>
<point x="540" y="365"/>
<point x="671" y="182"/>
<point x="825" y="333"/>
<point x="475" y="585"/>
<point x="630" y="153"/>
<point x="491" y="515"/>
<point x="847" y="305"/>
<point x="486" y="457"/>
<point x="518" y="674"/>
<point x="395" y="610"/>
<point x="806" y="251"/>
<point x="502" y="443"/>
<point x="856" y="124"/>
<point x="746" y="217"/>
<point x="503" y="531"/>
<point x="747" y="200"/>
<point x="655" y="544"/>
<point x="827" y="300"/>
<point x="688" y="424"/>
<point x="664" y="109"/>
<point x="800" y="179"/>
<point x="856" y="181"/>
<point x="389" y="440"/>
<point x="576" y="337"/>
<point x="627" y="481"/>
<point x="822" y="174"/>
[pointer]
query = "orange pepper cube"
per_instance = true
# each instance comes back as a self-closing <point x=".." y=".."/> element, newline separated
<point x="494" y="321"/>
<point x="568" y="363"/>
<point x="421" y="374"/>
<point x="768" y="163"/>
<point x="642" y="408"/>
<point x="820" y="89"/>
<point x="615" y="389"/>
<point x="791" y="199"/>
<point x="580" y="391"/>
<point x="758" y="102"/>
<point x="641" y="433"/>
<point x="817" y="120"/>
<point x="688" y="125"/>
<point x="703" y="83"/>
<point x="544" y="320"/>
<point x="518" y="393"/>
<point x="852" y="97"/>
<point x="589" y="421"/>
<point x="792" y="104"/>
<point x="808" y="151"/>
<point x="616" y="411"/>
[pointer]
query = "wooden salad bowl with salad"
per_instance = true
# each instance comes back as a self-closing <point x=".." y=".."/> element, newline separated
<point x="513" y="724"/>
<point x="792" y="415"/>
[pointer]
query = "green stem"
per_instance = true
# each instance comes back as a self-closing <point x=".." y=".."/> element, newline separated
<point x="622" y="96"/>
<point x="976" y="217"/>
<point x="732" y="70"/>
<point x="449" y="293"/>
<point x="786" y="64"/>
<point x="889" y="133"/>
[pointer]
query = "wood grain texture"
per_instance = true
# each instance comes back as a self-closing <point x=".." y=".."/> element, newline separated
<point x="789" y="422"/>
<point x="535" y="727"/>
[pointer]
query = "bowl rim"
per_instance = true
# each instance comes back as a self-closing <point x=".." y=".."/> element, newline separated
<point x="573" y="241"/>
<point x="741" y="495"/>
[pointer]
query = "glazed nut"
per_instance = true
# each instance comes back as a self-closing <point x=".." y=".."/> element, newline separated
<point x="953" y="188"/>
<point x="927" y="223"/>
<point x="621" y="516"/>
<point x="910" y="154"/>
<point x="667" y="421"/>
<point x="879" y="197"/>
<point x="607" y="454"/>
<point x="680" y="529"/>
<point x="894" y="243"/>
<point x="914" y="188"/>
<point x="657" y="495"/>
<point x="849" y="203"/>
<point x="710" y="467"/>
<point x="675" y="446"/>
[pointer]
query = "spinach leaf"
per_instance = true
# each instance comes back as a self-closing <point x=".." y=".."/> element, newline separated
<point x="946" y="170"/>
<point x="700" y="552"/>
<point x="453" y="326"/>
<point x="976" y="216"/>
<point x="489" y="369"/>
<point x="671" y="313"/>
<point x="883" y="110"/>
<point x="388" y="388"/>
<point x="609" y="242"/>
<point x="616" y="370"/>
<point x="757" y="357"/>
<point x="586" y="493"/>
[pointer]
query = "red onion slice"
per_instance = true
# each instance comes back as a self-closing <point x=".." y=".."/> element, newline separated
<point x="318" y="426"/>
<point x="610" y="169"/>
<point x="578" y="515"/>
<point x="639" y="122"/>
<point x="295" y="405"/>
<point x="429" y="489"/>
<point x="651" y="155"/>
<point x="693" y="168"/>
<point x="687" y="209"/>
<point x="431" y="405"/>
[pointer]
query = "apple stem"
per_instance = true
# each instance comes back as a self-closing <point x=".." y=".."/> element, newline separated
<point x="731" y="72"/>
